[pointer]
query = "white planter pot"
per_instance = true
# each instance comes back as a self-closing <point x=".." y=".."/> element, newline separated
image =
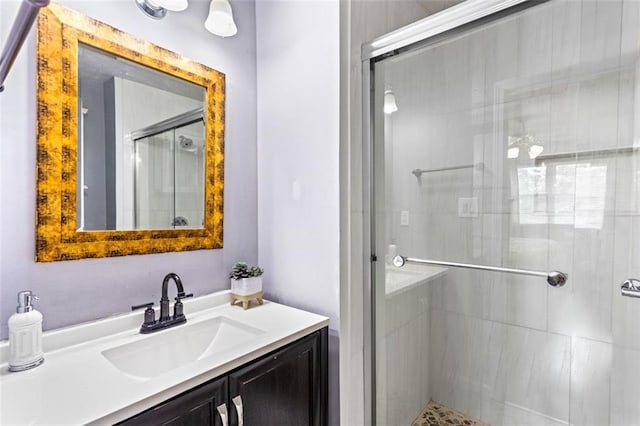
<point x="246" y="286"/>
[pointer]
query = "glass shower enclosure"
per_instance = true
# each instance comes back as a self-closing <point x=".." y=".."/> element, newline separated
<point x="502" y="149"/>
<point x="169" y="173"/>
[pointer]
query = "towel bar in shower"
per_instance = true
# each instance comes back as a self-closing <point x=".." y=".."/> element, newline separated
<point x="554" y="278"/>
<point x="418" y="172"/>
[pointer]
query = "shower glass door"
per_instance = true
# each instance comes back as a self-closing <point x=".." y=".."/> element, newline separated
<point x="513" y="142"/>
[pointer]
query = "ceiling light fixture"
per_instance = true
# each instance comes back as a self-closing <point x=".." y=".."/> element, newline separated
<point x="220" y="20"/>
<point x="157" y="9"/>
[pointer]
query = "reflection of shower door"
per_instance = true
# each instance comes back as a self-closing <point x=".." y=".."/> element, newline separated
<point x="169" y="178"/>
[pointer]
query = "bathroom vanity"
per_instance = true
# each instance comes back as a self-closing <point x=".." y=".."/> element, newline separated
<point x="285" y="387"/>
<point x="266" y="365"/>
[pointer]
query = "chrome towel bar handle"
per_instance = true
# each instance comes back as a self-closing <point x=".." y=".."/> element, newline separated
<point x="554" y="278"/>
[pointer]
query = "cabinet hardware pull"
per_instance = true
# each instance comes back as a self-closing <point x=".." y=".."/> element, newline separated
<point x="237" y="401"/>
<point x="222" y="410"/>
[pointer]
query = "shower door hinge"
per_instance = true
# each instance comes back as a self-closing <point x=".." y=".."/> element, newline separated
<point x="374" y="258"/>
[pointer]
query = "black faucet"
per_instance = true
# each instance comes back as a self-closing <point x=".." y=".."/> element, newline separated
<point x="165" y="321"/>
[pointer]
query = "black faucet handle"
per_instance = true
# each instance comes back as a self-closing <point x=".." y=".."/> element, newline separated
<point x="178" y="311"/>
<point x="179" y="297"/>
<point x="144" y="305"/>
<point x="149" y="313"/>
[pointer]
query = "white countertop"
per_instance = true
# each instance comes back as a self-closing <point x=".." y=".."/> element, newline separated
<point x="78" y="385"/>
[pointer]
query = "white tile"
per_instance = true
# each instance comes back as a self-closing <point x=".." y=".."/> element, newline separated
<point x="456" y="362"/>
<point x="534" y="47"/>
<point x="434" y="6"/>
<point x="597" y="108"/>
<point x="630" y="40"/>
<point x="500" y="414"/>
<point x="529" y="369"/>
<point x="625" y="386"/>
<point x="461" y="292"/>
<point x="517" y="300"/>
<point x="473" y="361"/>
<point x="566" y="32"/>
<point x="501" y="50"/>
<point x="626" y="310"/>
<point x="590" y="382"/>
<point x="402" y="12"/>
<point x="407" y="378"/>
<point x="402" y="308"/>
<point x="583" y="307"/>
<point x="564" y="113"/>
<point x="600" y="31"/>
<point x="627" y="181"/>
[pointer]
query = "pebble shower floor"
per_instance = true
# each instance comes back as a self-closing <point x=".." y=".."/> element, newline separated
<point x="436" y="414"/>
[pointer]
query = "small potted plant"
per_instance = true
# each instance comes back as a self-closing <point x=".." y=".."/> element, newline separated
<point x="246" y="283"/>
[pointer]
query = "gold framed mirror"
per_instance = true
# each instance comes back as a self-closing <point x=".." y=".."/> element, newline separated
<point x="141" y="200"/>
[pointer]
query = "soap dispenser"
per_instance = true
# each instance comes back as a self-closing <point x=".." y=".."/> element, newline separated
<point x="25" y="334"/>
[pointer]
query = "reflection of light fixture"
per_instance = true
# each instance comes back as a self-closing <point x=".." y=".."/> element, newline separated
<point x="158" y="8"/>
<point x="525" y="141"/>
<point x="390" y="105"/>
<point x="220" y="20"/>
<point x="535" y="150"/>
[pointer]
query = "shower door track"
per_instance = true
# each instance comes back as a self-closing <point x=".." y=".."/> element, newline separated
<point x="183" y="119"/>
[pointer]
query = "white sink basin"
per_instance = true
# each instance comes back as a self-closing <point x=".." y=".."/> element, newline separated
<point x="158" y="353"/>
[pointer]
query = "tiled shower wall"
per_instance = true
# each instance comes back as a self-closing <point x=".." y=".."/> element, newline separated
<point x="504" y="348"/>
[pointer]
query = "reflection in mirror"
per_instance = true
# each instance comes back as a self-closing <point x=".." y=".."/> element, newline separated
<point x="141" y="146"/>
<point x="168" y="174"/>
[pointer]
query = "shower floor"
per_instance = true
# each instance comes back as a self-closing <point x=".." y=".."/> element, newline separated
<point x="436" y="414"/>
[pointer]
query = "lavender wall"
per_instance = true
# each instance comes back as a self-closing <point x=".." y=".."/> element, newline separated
<point x="298" y="140"/>
<point x="83" y="290"/>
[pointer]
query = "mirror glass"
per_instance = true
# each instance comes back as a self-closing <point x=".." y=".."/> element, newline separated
<point x="141" y="146"/>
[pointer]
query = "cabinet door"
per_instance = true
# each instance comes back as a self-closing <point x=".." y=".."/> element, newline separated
<point x="197" y="407"/>
<point x="287" y="387"/>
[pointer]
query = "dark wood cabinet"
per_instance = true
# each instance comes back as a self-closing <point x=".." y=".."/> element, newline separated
<point x="285" y="387"/>
<point x="196" y="407"/>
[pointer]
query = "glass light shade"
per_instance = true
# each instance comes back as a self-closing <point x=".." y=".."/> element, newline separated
<point x="513" y="152"/>
<point x="390" y="105"/>
<point x="173" y="5"/>
<point x="220" y="20"/>
<point x="535" y="150"/>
